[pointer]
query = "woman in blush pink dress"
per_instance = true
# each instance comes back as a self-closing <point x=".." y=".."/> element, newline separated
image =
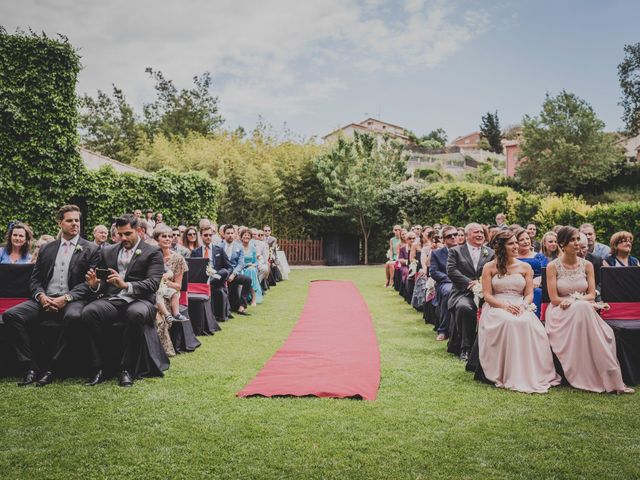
<point x="513" y="346"/>
<point x="582" y="341"/>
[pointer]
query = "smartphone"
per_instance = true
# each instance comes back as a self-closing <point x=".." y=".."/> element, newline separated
<point x="102" y="273"/>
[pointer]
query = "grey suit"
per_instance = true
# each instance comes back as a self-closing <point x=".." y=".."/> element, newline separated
<point x="461" y="271"/>
<point x="22" y="320"/>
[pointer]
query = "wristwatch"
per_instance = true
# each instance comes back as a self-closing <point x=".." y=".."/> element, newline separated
<point x="68" y="297"/>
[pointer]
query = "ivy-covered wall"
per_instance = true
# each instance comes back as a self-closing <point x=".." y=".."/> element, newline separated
<point x="187" y="196"/>
<point x="39" y="163"/>
<point x="40" y="167"/>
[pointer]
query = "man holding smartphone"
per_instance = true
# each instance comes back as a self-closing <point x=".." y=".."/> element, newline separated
<point x="133" y="273"/>
<point x="59" y="293"/>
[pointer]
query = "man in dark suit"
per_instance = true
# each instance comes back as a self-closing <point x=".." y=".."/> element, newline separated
<point x="595" y="260"/>
<point x="222" y="267"/>
<point x="128" y="293"/>
<point x="464" y="268"/>
<point x="438" y="271"/>
<point x="239" y="284"/>
<point x="59" y="293"/>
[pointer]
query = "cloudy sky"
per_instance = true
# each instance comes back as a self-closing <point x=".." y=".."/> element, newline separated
<point x="318" y="65"/>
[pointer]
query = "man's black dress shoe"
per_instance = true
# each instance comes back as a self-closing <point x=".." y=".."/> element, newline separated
<point x="96" y="379"/>
<point x="464" y="356"/>
<point x="28" y="378"/>
<point x="244" y="313"/>
<point x="45" y="379"/>
<point x="125" y="379"/>
<point x="230" y="317"/>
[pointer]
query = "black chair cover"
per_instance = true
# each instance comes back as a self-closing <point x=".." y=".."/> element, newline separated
<point x="200" y="312"/>
<point x="622" y="284"/>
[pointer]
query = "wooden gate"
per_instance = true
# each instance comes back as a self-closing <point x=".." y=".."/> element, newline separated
<point x="303" y="252"/>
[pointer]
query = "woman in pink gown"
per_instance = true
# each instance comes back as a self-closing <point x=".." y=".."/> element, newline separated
<point x="582" y="341"/>
<point x="513" y="346"/>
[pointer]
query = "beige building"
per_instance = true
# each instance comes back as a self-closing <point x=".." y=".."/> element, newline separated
<point x="370" y="125"/>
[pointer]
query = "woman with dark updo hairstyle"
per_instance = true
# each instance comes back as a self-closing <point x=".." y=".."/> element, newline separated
<point x="582" y="341"/>
<point x="513" y="346"/>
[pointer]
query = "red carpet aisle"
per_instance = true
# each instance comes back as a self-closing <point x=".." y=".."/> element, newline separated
<point x="331" y="352"/>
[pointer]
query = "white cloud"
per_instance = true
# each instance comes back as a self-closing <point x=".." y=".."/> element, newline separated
<point x="282" y="55"/>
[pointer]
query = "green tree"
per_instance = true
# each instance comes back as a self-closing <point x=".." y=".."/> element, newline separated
<point x="176" y="113"/>
<point x="435" y="139"/>
<point x="490" y="130"/>
<point x="629" y="76"/>
<point x="355" y="173"/>
<point x="566" y="148"/>
<point x="109" y="125"/>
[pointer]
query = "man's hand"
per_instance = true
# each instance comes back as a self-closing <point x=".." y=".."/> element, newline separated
<point x="472" y="284"/>
<point x="92" y="279"/>
<point x="231" y="278"/>
<point x="115" y="279"/>
<point x="58" y="303"/>
<point x="45" y="301"/>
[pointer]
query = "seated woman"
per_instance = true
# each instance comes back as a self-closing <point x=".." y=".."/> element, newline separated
<point x="392" y="254"/>
<point x="43" y="240"/>
<point x="17" y="246"/>
<point x="620" y="256"/>
<point x="403" y="260"/>
<point x="549" y="246"/>
<point x="190" y="239"/>
<point x="423" y="257"/>
<point x="537" y="262"/>
<point x="168" y="295"/>
<point x="582" y="341"/>
<point x="251" y="265"/>
<point x="513" y="346"/>
<point x="397" y="267"/>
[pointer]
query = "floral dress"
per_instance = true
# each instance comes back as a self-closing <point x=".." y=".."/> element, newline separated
<point x="177" y="265"/>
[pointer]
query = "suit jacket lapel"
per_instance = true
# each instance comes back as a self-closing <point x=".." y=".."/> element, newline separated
<point x="74" y="258"/>
<point x="467" y="256"/>
<point x="52" y="258"/>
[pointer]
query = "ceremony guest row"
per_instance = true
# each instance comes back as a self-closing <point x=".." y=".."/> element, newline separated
<point x="484" y="287"/>
<point x="87" y="286"/>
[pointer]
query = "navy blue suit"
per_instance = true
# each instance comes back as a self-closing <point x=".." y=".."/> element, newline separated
<point x="219" y="294"/>
<point x="438" y="271"/>
<point x="219" y="259"/>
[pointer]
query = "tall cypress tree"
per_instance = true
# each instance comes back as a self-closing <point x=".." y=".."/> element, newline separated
<point x="490" y="129"/>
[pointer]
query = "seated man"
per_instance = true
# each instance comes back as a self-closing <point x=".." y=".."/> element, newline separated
<point x="59" y="292"/>
<point x="464" y="268"/>
<point x="222" y="266"/>
<point x="594" y="259"/>
<point x="438" y="271"/>
<point x="239" y="285"/>
<point x="135" y="269"/>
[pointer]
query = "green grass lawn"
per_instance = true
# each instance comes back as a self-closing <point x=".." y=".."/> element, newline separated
<point x="431" y="419"/>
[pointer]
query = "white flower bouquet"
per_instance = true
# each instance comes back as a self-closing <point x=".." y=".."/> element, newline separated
<point x="477" y="293"/>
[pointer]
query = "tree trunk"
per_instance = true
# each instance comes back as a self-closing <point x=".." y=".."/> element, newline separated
<point x="365" y="237"/>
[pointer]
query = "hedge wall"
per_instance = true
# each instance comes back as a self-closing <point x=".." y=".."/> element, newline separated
<point x="459" y="203"/>
<point x="180" y="197"/>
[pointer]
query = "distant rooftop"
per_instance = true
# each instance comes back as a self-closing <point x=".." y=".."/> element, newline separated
<point x="93" y="161"/>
